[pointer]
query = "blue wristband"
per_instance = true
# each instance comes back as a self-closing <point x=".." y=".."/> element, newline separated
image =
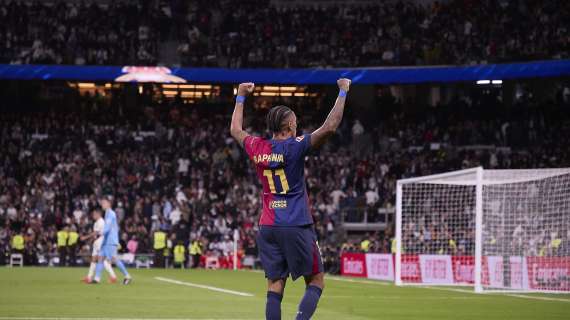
<point x="240" y="99"/>
<point x="342" y="93"/>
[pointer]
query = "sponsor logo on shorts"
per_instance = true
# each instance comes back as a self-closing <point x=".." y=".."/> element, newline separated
<point x="278" y="204"/>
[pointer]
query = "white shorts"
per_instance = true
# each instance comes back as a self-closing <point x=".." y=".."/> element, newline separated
<point x="97" y="247"/>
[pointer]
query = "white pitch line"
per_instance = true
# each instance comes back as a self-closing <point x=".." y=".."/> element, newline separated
<point x="400" y="297"/>
<point x="450" y="289"/>
<point x="500" y="294"/>
<point x="201" y="286"/>
<point x="76" y="318"/>
<point x="357" y="280"/>
<point x="383" y="283"/>
<point x="446" y="289"/>
<point x="538" y="298"/>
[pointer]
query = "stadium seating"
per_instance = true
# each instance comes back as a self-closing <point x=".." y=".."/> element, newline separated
<point x="259" y="34"/>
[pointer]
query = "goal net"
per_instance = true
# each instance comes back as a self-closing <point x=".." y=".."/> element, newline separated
<point x="497" y="230"/>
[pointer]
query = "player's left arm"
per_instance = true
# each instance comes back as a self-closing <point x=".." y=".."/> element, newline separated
<point x="324" y="132"/>
<point x="236" y="128"/>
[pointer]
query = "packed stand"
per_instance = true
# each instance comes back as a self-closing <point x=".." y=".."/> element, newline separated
<point x="67" y="32"/>
<point x="176" y="170"/>
<point x="257" y="33"/>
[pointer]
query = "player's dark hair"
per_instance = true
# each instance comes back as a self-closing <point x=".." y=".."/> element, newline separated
<point x="276" y="117"/>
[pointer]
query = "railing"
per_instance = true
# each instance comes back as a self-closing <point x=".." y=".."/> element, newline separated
<point x="366" y="218"/>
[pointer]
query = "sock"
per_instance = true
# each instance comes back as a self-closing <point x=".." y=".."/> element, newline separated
<point x="98" y="270"/>
<point x="109" y="269"/>
<point x="273" y="306"/>
<point x="309" y="302"/>
<point x="91" y="270"/>
<point x="121" y="267"/>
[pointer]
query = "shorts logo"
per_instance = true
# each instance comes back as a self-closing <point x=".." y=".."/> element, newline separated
<point x="300" y="138"/>
<point x="278" y="204"/>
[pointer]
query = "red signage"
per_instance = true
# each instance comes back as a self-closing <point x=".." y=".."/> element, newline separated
<point x="353" y="264"/>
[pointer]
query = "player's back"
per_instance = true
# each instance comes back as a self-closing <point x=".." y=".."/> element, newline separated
<point x="112" y="236"/>
<point x="280" y="166"/>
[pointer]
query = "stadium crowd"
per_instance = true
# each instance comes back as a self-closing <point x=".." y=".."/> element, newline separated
<point x="175" y="170"/>
<point x="68" y="32"/>
<point x="258" y="33"/>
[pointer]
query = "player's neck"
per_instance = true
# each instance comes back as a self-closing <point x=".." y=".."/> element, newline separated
<point x="281" y="136"/>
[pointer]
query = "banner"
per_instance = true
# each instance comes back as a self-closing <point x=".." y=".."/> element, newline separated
<point x="463" y="269"/>
<point x="498" y="272"/>
<point x="495" y="272"/>
<point x="410" y="268"/>
<point x="380" y="266"/>
<point x="519" y="275"/>
<point x="374" y="75"/>
<point x="549" y="273"/>
<point x="436" y="269"/>
<point x="353" y="264"/>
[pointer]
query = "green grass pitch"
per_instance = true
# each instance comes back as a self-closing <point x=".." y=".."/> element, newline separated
<point x="57" y="293"/>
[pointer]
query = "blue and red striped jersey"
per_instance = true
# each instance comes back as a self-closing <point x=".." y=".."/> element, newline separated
<point x="280" y="166"/>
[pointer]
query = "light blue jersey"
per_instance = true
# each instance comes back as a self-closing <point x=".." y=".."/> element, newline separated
<point x="110" y="246"/>
<point x="111" y="230"/>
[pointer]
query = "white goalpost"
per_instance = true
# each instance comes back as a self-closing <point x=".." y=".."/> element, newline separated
<point x="495" y="230"/>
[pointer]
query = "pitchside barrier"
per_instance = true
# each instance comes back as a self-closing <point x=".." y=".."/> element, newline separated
<point x="521" y="273"/>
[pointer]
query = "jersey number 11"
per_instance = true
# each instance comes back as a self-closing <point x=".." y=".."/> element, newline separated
<point x="281" y="173"/>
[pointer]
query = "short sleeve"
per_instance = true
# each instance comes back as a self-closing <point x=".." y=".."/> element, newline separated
<point x="303" y="144"/>
<point x="249" y="144"/>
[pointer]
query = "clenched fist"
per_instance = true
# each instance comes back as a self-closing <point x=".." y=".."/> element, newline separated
<point x="245" y="88"/>
<point x="343" y="84"/>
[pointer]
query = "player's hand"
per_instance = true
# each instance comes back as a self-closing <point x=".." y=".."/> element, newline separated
<point x="245" y="88"/>
<point x="343" y="84"/>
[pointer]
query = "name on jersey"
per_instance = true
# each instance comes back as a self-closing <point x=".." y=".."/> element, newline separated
<point x="278" y="204"/>
<point x="273" y="157"/>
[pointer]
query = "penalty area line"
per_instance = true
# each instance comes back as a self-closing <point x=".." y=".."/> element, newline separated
<point x="201" y="286"/>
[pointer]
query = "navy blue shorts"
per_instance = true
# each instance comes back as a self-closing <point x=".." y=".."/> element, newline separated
<point x="288" y="251"/>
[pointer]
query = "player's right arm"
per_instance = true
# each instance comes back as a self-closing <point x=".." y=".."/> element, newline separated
<point x="236" y="127"/>
<point x="93" y="234"/>
<point x="332" y="122"/>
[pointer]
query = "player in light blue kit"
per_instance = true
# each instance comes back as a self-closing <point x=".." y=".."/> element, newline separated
<point x="110" y="243"/>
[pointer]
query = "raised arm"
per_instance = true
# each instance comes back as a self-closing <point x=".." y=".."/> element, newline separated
<point x="236" y="127"/>
<point x="332" y="122"/>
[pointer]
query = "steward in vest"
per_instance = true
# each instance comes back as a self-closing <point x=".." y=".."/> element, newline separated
<point x="159" y="245"/>
<point x="196" y="252"/>
<point x="179" y="255"/>
<point x="365" y="245"/>
<point x="62" y="236"/>
<point x="18" y="243"/>
<point x="72" y="238"/>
